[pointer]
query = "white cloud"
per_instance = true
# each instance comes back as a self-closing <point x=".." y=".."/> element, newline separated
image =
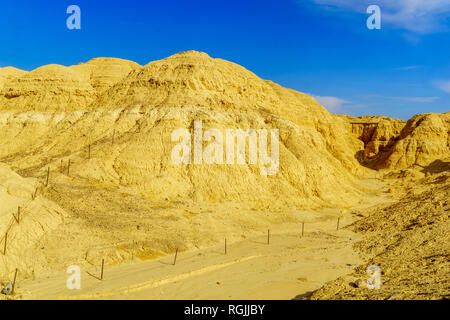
<point x="421" y="16"/>
<point x="444" y="85"/>
<point x="332" y="104"/>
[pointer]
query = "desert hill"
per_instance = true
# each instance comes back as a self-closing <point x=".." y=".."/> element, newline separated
<point x="144" y="108"/>
<point x="104" y="130"/>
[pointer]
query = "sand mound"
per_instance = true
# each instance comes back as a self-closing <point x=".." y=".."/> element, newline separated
<point x="37" y="217"/>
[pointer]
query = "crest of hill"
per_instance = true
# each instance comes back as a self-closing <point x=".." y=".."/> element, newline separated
<point x="11" y="72"/>
<point x="146" y="104"/>
<point x="60" y="88"/>
<point x="173" y="93"/>
<point x="8" y="73"/>
<point x="317" y="150"/>
<point x="105" y="72"/>
<point x="48" y="88"/>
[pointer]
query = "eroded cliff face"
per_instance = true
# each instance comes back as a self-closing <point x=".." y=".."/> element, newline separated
<point x="425" y="139"/>
<point x="394" y="144"/>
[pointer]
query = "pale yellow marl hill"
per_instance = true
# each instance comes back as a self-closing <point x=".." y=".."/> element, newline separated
<point x="48" y="88"/>
<point x="7" y="73"/>
<point x="149" y="103"/>
<point x="60" y="88"/>
<point x="105" y="72"/>
<point x="142" y="106"/>
<point x="175" y="92"/>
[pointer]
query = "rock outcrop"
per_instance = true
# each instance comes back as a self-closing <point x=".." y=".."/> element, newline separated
<point x="424" y="140"/>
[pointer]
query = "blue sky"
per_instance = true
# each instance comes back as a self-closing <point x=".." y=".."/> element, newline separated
<point x="320" y="47"/>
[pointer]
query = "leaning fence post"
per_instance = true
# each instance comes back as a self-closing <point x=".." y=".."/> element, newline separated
<point x="18" y="215"/>
<point x="6" y="240"/>
<point x="34" y="195"/>
<point x="175" y="259"/>
<point x="103" y="266"/>
<point x="48" y="176"/>
<point x="14" y="282"/>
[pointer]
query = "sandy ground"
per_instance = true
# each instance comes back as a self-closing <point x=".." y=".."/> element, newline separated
<point x="291" y="266"/>
<point x="251" y="269"/>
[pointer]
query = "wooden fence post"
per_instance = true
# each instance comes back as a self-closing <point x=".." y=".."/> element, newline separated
<point x="14" y="282"/>
<point x="18" y="215"/>
<point x="103" y="266"/>
<point x="6" y="240"/>
<point x="175" y="260"/>
<point x="48" y="176"/>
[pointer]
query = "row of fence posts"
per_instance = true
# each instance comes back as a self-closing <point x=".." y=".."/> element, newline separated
<point x="176" y="251"/>
<point x="268" y="240"/>
<point x="69" y="162"/>
<point x="33" y="197"/>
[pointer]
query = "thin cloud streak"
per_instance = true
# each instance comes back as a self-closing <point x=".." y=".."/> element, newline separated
<point x="420" y="16"/>
<point x="408" y="68"/>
